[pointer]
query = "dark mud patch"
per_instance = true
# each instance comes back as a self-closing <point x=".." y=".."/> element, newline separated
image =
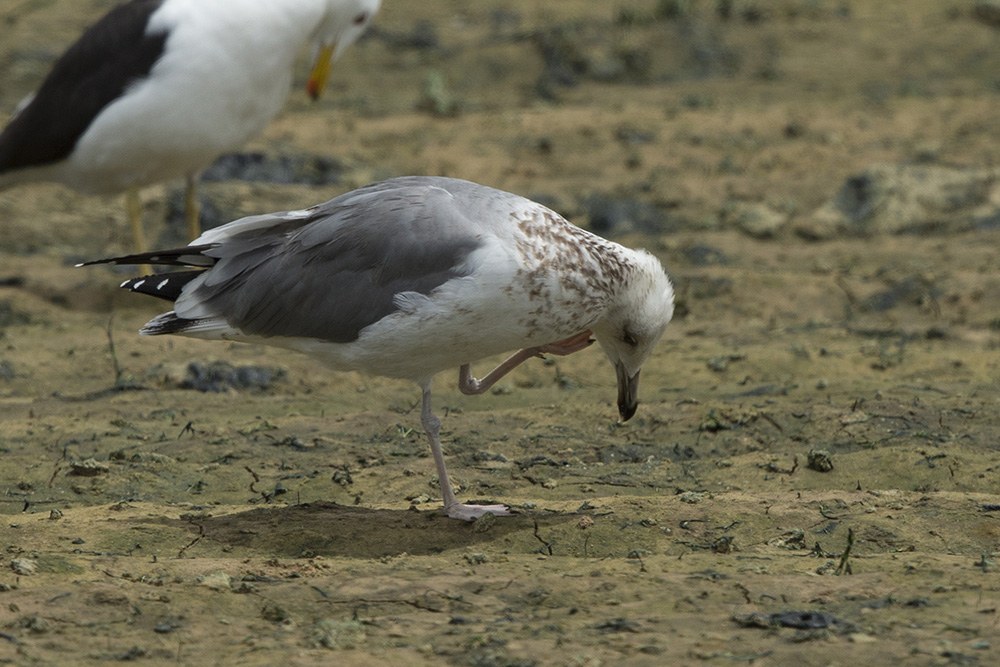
<point x="330" y="530"/>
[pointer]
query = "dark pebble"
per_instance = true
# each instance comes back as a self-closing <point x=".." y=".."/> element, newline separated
<point x="220" y="376"/>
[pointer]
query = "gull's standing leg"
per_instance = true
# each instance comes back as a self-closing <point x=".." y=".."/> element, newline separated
<point x="453" y="508"/>
<point x="192" y="211"/>
<point x="470" y="385"/>
<point x="133" y="209"/>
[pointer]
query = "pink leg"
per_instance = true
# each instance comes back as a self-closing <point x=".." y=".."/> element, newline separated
<point x="453" y="508"/>
<point x="470" y="385"/>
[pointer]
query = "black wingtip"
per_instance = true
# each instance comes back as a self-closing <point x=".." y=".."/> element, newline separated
<point x="186" y="256"/>
<point x="122" y="259"/>
<point x="166" y="286"/>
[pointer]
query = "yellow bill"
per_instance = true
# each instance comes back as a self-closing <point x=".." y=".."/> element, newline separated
<point x="320" y="72"/>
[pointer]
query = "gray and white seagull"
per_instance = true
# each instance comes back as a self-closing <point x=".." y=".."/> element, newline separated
<point x="411" y="276"/>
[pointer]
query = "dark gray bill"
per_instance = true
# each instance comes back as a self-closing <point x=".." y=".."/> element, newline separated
<point x="628" y="393"/>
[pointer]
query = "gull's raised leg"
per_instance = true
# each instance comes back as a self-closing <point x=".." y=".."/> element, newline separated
<point x="470" y="385"/>
<point x="453" y="508"/>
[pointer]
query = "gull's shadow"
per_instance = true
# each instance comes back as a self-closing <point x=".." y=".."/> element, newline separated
<point x="327" y="529"/>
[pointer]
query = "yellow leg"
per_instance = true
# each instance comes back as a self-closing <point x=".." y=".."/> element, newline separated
<point x="133" y="208"/>
<point x="192" y="212"/>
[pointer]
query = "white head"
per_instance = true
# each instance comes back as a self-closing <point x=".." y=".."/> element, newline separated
<point x="633" y="324"/>
<point x="343" y="23"/>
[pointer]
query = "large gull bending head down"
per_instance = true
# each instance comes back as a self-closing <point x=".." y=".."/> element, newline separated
<point x="412" y="276"/>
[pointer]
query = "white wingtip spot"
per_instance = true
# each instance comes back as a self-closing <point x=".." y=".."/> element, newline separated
<point x="135" y="286"/>
<point x="160" y="285"/>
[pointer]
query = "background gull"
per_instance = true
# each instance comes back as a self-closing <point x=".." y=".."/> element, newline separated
<point x="157" y="89"/>
<point x="411" y="276"/>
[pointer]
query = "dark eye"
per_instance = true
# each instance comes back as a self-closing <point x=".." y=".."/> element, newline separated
<point x="629" y="339"/>
<point x="361" y="18"/>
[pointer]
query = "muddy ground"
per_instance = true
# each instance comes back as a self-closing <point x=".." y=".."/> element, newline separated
<point x="295" y="519"/>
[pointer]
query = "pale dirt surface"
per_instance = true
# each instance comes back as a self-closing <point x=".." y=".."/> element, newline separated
<point x="275" y="526"/>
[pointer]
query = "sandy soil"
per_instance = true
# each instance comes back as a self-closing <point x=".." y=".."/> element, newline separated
<point x="298" y="522"/>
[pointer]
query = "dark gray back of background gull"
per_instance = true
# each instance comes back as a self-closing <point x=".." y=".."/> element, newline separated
<point x="332" y="274"/>
<point x="93" y="72"/>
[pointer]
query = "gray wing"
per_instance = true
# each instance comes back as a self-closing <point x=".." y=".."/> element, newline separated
<point x="336" y="271"/>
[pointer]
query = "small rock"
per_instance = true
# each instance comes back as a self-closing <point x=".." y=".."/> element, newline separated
<point x="819" y="460"/>
<point x="219" y="581"/>
<point x="275" y="614"/>
<point x="718" y="363"/>
<point x="88" y="468"/>
<point x="484" y="523"/>
<point x="724" y="545"/>
<point x="421" y="499"/>
<point x="805" y="620"/>
<point x="792" y="539"/>
<point x="244" y="588"/>
<point x="24" y="566"/>
<point x="617" y="625"/>
<point x="151" y="457"/>
<point x="827" y="568"/>
<point x="721" y="362"/>
<point x="894" y="199"/>
<point x="220" y="376"/>
<point x="753" y="620"/>
<point x="35" y="624"/>
<point x="756" y="219"/>
<point x="336" y="635"/>
<point x="485" y="456"/>
<point x="130" y="655"/>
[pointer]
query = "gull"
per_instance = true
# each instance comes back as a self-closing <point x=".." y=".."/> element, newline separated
<point x="410" y="277"/>
<point x="157" y="89"/>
